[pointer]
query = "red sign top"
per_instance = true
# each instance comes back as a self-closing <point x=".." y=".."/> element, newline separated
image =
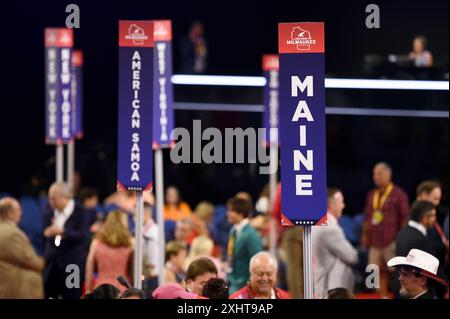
<point x="162" y="30"/>
<point x="270" y="62"/>
<point x="77" y="58"/>
<point x="136" y="34"/>
<point x="301" y="37"/>
<point x="58" y="37"/>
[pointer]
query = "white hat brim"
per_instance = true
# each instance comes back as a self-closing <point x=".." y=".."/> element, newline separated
<point x="398" y="261"/>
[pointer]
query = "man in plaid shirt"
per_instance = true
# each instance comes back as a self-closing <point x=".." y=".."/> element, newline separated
<point x="386" y="212"/>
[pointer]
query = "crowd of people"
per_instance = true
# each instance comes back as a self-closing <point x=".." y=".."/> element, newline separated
<point x="221" y="252"/>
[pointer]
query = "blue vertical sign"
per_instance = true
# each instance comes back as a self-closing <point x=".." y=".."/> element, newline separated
<point x="135" y="136"/>
<point x="302" y="123"/>
<point x="270" y="66"/>
<point x="77" y="94"/>
<point x="58" y="51"/>
<point x="163" y="116"/>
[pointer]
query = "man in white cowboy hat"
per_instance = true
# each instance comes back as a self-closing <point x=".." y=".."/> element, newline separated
<point x="418" y="272"/>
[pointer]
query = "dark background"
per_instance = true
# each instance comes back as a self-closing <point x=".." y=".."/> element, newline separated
<point x="238" y="33"/>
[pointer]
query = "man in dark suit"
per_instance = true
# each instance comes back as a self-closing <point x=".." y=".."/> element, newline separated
<point x="414" y="235"/>
<point x="65" y="234"/>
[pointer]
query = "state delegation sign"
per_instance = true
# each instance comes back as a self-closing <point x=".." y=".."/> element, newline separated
<point x="302" y="123"/>
<point x="270" y="66"/>
<point x="135" y="158"/>
<point x="77" y="94"/>
<point x="58" y="56"/>
<point x="163" y="88"/>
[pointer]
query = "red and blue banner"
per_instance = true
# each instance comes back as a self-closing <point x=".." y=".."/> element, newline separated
<point x="58" y="53"/>
<point x="135" y="132"/>
<point x="163" y="114"/>
<point x="77" y="94"/>
<point x="302" y="123"/>
<point x="270" y="66"/>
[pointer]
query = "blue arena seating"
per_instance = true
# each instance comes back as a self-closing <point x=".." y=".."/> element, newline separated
<point x="221" y="226"/>
<point x="32" y="221"/>
<point x="4" y="194"/>
<point x="347" y="225"/>
<point x="358" y="221"/>
<point x="169" y="230"/>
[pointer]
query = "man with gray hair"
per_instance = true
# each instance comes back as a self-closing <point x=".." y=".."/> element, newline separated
<point x="333" y="254"/>
<point x="66" y="230"/>
<point x="20" y="267"/>
<point x="386" y="212"/>
<point x="263" y="276"/>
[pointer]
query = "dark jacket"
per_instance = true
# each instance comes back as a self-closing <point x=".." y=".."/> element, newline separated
<point x="409" y="238"/>
<point x="72" y="249"/>
<point x="428" y="295"/>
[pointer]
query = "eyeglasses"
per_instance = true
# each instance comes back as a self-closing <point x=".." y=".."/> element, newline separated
<point x="408" y="273"/>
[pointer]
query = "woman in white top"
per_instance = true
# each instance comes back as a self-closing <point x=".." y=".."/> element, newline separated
<point x="419" y="54"/>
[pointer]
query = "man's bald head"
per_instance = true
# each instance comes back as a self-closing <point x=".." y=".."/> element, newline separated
<point x="383" y="165"/>
<point x="382" y="174"/>
<point x="263" y="274"/>
<point x="62" y="188"/>
<point x="263" y="258"/>
<point x="59" y="195"/>
<point x="10" y="210"/>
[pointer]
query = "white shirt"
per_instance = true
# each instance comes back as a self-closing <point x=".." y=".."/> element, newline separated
<point x="62" y="216"/>
<point x="151" y="247"/>
<point x="241" y="225"/>
<point x="272" y="295"/>
<point x="418" y="226"/>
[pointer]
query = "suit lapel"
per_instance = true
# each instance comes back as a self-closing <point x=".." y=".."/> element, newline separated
<point x="72" y="216"/>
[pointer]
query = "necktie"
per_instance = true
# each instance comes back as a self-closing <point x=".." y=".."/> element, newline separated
<point x="231" y="244"/>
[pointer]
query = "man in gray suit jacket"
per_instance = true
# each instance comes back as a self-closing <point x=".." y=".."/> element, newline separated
<point x="333" y="254"/>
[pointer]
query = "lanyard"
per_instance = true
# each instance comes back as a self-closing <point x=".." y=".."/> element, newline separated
<point x="231" y="243"/>
<point x="379" y="203"/>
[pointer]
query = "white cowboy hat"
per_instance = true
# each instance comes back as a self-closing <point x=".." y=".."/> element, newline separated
<point x="427" y="264"/>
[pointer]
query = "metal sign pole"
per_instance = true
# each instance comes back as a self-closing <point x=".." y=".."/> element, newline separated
<point x="59" y="162"/>
<point x="307" y="262"/>
<point x="273" y="190"/>
<point x="160" y="210"/>
<point x="70" y="162"/>
<point x="138" y="241"/>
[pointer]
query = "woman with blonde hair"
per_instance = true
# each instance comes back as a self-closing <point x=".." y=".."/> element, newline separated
<point x="202" y="219"/>
<point x="202" y="246"/>
<point x="110" y="253"/>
